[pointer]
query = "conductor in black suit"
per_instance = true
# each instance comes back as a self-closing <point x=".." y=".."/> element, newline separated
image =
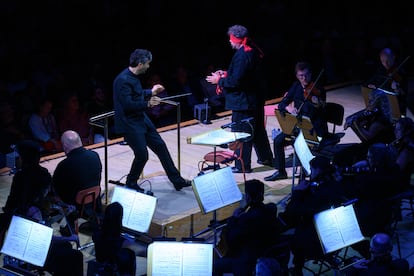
<point x="130" y="103"/>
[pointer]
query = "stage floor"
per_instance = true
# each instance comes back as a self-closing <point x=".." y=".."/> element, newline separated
<point x="173" y="206"/>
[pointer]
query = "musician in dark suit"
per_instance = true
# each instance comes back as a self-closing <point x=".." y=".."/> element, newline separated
<point x="130" y="103"/>
<point x="391" y="76"/>
<point x="249" y="232"/>
<point x="322" y="191"/>
<point x="308" y="99"/>
<point x="244" y="89"/>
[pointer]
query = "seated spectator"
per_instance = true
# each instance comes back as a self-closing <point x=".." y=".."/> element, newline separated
<point x="381" y="261"/>
<point x="73" y="117"/>
<point x="249" y="233"/>
<point x="81" y="169"/>
<point x="43" y="127"/>
<point x="182" y="82"/>
<point x="99" y="103"/>
<point x="112" y="249"/>
<point x="11" y="131"/>
<point x="164" y="113"/>
<point x="215" y="100"/>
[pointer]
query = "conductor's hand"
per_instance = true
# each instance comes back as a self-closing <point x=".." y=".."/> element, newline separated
<point x="154" y="100"/>
<point x="157" y="88"/>
<point x="213" y="78"/>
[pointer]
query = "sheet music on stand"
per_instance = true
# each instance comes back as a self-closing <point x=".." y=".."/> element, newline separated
<point x="27" y="241"/>
<point x="337" y="228"/>
<point x="216" y="189"/>
<point x="179" y="259"/>
<point x="138" y="208"/>
<point x="303" y="152"/>
<point x="216" y="137"/>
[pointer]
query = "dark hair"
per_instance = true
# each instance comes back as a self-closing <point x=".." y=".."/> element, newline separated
<point x="238" y="31"/>
<point x="255" y="189"/>
<point x="302" y="65"/>
<point x="112" y="221"/>
<point x="139" y="56"/>
<point x="29" y="151"/>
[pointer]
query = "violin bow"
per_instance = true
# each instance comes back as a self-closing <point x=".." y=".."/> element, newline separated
<point x="394" y="72"/>
<point x="313" y="85"/>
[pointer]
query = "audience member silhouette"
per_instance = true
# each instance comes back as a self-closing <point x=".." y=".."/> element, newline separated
<point x="111" y="249"/>
<point x="322" y="191"/>
<point x="249" y="232"/>
<point x="98" y="104"/>
<point x="11" y="131"/>
<point x="73" y="117"/>
<point x="44" y="128"/>
<point x="215" y="100"/>
<point x="164" y="113"/>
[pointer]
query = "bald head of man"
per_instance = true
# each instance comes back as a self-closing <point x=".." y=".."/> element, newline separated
<point x="71" y="140"/>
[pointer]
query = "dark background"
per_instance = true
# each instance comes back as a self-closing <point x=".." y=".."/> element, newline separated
<point x="75" y="39"/>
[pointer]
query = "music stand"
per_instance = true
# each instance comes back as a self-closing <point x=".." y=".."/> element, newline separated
<point x="292" y="127"/>
<point x="101" y="120"/>
<point x="215" y="138"/>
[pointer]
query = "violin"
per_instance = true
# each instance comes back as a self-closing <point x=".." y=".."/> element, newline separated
<point x="394" y="75"/>
<point x="311" y="90"/>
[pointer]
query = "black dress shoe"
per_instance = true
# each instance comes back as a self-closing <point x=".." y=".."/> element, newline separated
<point x="276" y="176"/>
<point x="237" y="170"/>
<point x="135" y="187"/>
<point x="180" y="185"/>
<point x="265" y="162"/>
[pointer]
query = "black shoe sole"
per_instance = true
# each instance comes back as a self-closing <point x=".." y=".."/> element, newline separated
<point x="178" y="187"/>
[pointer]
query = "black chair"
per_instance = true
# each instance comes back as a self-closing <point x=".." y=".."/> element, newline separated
<point x="335" y="115"/>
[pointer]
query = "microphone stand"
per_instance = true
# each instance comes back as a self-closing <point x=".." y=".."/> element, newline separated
<point x="206" y="121"/>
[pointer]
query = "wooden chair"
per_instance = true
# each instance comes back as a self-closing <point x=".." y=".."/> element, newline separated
<point x="86" y="197"/>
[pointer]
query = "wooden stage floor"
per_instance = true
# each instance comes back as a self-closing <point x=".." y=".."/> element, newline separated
<point x="177" y="213"/>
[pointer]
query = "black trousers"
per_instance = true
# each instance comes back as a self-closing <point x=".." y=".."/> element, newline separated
<point x="139" y="142"/>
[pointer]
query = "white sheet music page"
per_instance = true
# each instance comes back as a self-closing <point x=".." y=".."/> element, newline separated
<point x="180" y="259"/>
<point x="138" y="208"/>
<point x="337" y="228"/>
<point x="216" y="189"/>
<point x="28" y="241"/>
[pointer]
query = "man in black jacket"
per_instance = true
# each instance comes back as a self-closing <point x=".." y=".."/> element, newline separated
<point x="244" y="89"/>
<point x="130" y="103"/>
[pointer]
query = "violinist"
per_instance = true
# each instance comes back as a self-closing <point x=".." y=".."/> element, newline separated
<point x="391" y="77"/>
<point x="250" y="232"/>
<point x="404" y="147"/>
<point x="309" y="100"/>
<point x="321" y="191"/>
